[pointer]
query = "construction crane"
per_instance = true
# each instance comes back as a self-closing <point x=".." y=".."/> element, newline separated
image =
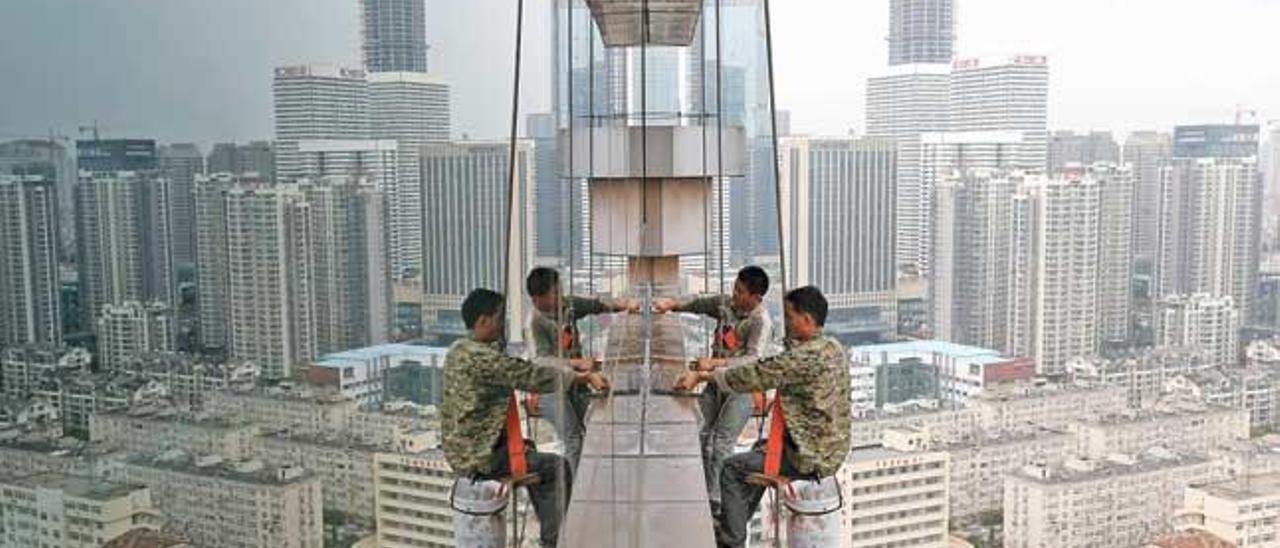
<point x="1241" y="111"/>
<point x="94" y="129"/>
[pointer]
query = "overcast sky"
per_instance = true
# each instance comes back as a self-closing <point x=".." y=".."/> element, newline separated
<point x="200" y="70"/>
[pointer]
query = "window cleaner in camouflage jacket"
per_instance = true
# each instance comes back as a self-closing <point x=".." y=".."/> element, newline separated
<point x="479" y="379"/>
<point x="554" y="332"/>
<point x="812" y="381"/>
<point x="743" y="329"/>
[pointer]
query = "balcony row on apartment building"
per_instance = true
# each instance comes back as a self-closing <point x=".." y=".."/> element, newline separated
<point x="288" y="460"/>
<point x="335" y="426"/>
<point x="1068" y="466"/>
<point x="44" y="383"/>
<point x="905" y="377"/>
<point x="388" y="481"/>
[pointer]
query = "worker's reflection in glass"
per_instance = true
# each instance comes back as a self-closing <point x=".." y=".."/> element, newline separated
<point x="553" y="330"/>
<point x="743" y="329"/>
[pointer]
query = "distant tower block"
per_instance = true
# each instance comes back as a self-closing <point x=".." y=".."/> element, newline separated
<point x="650" y="188"/>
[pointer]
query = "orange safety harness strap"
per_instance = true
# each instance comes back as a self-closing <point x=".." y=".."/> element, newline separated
<point x="728" y="339"/>
<point x="773" y="446"/>
<point x="759" y="404"/>
<point x="532" y="400"/>
<point x="517" y="466"/>
<point x="568" y="336"/>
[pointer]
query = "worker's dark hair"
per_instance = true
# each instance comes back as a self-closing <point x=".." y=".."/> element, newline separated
<point x="481" y="302"/>
<point x="809" y="300"/>
<point x="541" y="281"/>
<point x="755" y="279"/>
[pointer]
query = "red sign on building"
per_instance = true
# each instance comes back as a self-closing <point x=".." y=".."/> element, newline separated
<point x="1017" y="369"/>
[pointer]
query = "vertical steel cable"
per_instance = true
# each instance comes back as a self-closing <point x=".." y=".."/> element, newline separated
<point x="644" y="135"/>
<point x="720" y="221"/>
<point x="777" y="185"/>
<point x="511" y="193"/>
<point x="644" y="224"/>
<point x="773" y="121"/>
<point x="702" y="118"/>
<point x="563" y="406"/>
<point x="511" y="158"/>
<point x="591" y="153"/>
<point x="644" y="123"/>
<point x="568" y="17"/>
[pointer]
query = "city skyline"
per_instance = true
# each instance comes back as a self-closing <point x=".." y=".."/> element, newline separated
<point x="1152" y="83"/>
<point x="1010" y="319"/>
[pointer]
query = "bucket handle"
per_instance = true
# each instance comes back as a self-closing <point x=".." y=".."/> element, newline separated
<point x="453" y="491"/>
<point x="838" y="506"/>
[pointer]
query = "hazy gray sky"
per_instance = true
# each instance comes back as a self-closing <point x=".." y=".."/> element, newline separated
<point x="201" y="69"/>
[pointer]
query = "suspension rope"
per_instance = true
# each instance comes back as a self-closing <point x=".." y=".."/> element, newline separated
<point x="644" y="138"/>
<point x="517" y="532"/>
<point x="777" y="171"/>
<point x="567" y="324"/>
<point x="782" y="244"/>
<point x="511" y="158"/>
<point x="568" y="17"/>
<point x="591" y="156"/>
<point x="702" y="117"/>
<point x="644" y="117"/>
<point x="720" y="220"/>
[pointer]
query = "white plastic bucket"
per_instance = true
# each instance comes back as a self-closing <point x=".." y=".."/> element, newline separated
<point x="813" y="513"/>
<point x="478" y="513"/>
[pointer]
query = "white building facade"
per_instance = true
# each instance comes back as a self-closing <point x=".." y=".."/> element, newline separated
<point x="1209" y="228"/>
<point x="845" y="244"/>
<point x="30" y="307"/>
<point x="124" y="240"/>
<point x="907" y="101"/>
<point x="412" y="109"/>
<point x="1057" y="255"/>
<point x="316" y="102"/>
<point x="361" y="374"/>
<point x="1244" y="511"/>
<point x="1007" y="93"/>
<point x="412" y="492"/>
<point x="1085" y="504"/>
<point x="895" y="498"/>
<point x="1201" y="321"/>
<point x="130" y="329"/>
<point x="52" y="509"/>
<point x="465" y="187"/>
<point x="237" y="505"/>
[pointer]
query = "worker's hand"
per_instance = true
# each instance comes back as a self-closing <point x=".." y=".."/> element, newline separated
<point x="583" y="365"/>
<point x="710" y="364"/>
<point x="689" y="380"/>
<point x="596" y="381"/>
<point x="664" y="305"/>
<point x="630" y="306"/>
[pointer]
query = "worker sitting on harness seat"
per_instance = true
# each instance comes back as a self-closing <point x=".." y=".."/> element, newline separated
<point x="479" y="379"/>
<point x="812" y="382"/>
